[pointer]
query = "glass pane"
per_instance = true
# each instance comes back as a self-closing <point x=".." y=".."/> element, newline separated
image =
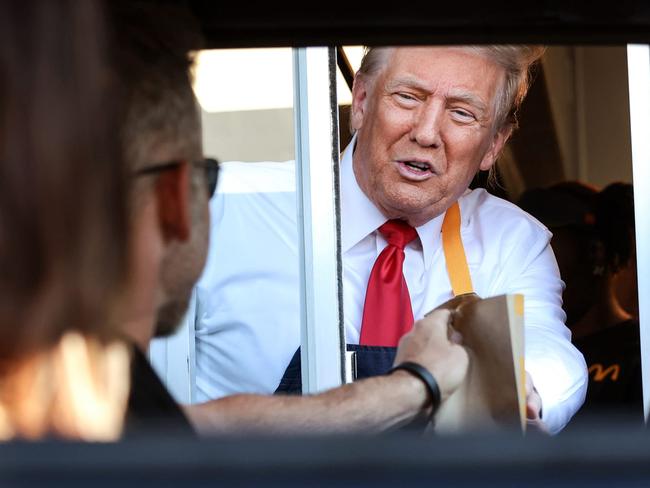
<point x="248" y="301"/>
<point x="247" y="315"/>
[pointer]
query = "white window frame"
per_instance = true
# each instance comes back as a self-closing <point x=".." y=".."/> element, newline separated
<point x="638" y="65"/>
<point x="322" y="348"/>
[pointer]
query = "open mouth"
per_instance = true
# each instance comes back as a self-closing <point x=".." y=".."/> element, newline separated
<point x="418" y="166"/>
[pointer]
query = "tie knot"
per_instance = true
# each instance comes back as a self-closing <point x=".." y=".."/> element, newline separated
<point x="398" y="233"/>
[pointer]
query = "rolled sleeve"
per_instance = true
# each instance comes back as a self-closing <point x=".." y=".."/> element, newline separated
<point x="557" y="368"/>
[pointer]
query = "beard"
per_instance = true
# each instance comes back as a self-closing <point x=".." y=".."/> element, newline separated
<point x="181" y="269"/>
<point x="169" y="316"/>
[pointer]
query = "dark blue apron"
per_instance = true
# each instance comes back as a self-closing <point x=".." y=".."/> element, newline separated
<point x="370" y="361"/>
<point x="377" y="360"/>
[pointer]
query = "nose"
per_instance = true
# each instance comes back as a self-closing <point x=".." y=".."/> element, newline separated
<point x="426" y="124"/>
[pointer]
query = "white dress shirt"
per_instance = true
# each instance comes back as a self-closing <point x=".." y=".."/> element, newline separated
<point x="247" y="326"/>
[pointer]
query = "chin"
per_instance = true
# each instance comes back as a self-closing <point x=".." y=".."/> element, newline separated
<point x="414" y="207"/>
<point x="169" y="318"/>
<point x="166" y="329"/>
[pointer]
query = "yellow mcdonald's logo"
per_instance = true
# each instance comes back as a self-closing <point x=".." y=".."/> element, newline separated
<point x="600" y="372"/>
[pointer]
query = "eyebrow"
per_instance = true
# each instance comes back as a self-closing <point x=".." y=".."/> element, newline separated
<point x="459" y="95"/>
<point x="407" y="81"/>
<point x="470" y="99"/>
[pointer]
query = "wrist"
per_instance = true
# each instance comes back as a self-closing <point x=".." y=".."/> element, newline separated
<point x="428" y="384"/>
<point x="413" y="389"/>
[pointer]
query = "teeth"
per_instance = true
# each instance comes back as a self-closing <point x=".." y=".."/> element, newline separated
<point x="420" y="166"/>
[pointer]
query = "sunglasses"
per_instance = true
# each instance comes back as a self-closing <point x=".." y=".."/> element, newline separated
<point x="209" y="165"/>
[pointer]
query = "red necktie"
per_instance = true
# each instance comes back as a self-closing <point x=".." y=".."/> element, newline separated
<point x="387" y="313"/>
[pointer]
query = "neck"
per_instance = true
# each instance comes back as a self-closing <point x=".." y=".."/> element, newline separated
<point x="135" y="321"/>
<point x="140" y="331"/>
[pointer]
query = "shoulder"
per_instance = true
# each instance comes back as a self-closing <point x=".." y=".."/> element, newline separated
<point x="150" y="405"/>
<point x="626" y="332"/>
<point x="501" y="230"/>
<point x="480" y="208"/>
<point x="479" y="204"/>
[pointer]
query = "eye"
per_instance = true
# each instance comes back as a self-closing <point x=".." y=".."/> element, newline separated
<point x="405" y="96"/>
<point x="462" y="115"/>
<point x="405" y="99"/>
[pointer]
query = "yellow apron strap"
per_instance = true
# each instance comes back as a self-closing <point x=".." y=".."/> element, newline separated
<point x="452" y="245"/>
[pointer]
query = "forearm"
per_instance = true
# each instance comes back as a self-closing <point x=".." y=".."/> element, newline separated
<point x="557" y="368"/>
<point x="370" y="405"/>
<point x="560" y="375"/>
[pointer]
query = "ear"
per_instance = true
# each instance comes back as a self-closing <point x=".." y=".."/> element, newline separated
<point x="173" y="200"/>
<point x="499" y="140"/>
<point x="359" y="101"/>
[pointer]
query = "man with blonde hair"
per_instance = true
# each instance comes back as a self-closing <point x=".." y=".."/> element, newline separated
<point x="425" y="121"/>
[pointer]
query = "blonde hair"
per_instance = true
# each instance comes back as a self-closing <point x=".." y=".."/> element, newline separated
<point x="516" y="60"/>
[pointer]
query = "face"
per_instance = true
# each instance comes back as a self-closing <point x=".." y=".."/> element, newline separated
<point x="425" y="126"/>
<point x="184" y="260"/>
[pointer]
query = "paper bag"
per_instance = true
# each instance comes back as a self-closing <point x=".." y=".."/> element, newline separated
<point x="494" y="391"/>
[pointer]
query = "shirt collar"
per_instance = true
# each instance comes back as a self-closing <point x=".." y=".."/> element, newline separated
<point x="361" y="217"/>
<point x="430" y="238"/>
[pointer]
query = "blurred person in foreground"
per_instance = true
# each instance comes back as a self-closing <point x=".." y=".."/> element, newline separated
<point x="593" y="238"/>
<point x="169" y="213"/>
<point x="63" y="227"/>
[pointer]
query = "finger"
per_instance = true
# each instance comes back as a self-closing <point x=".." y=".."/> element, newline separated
<point x="438" y="323"/>
<point x="454" y="336"/>
<point x="533" y="405"/>
<point x="532" y="410"/>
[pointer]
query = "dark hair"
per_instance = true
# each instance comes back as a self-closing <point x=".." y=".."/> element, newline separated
<point x="153" y="59"/>
<point x="63" y="232"/>
<point x="606" y="216"/>
<point x="614" y="210"/>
